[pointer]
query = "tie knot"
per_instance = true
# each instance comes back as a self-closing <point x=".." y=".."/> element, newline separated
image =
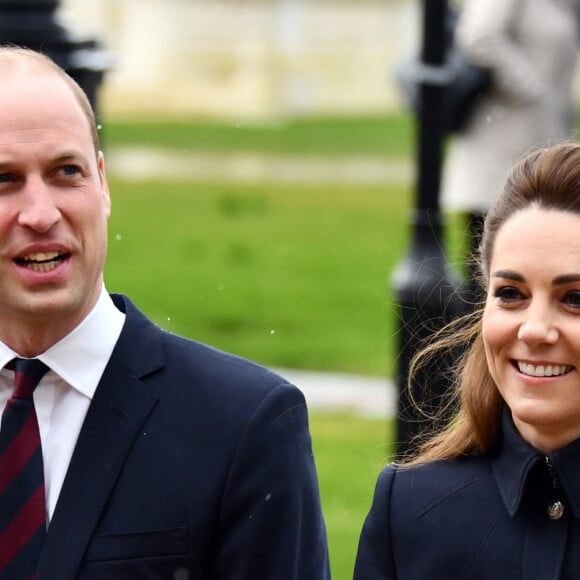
<point x="28" y="372"/>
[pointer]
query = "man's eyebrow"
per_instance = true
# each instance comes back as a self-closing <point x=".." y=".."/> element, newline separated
<point x="67" y="156"/>
<point x="58" y="156"/>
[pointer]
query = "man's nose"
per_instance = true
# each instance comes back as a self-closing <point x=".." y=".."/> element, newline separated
<point x="39" y="211"/>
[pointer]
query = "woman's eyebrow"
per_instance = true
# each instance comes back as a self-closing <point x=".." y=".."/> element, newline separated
<point x="566" y="279"/>
<point x="508" y="275"/>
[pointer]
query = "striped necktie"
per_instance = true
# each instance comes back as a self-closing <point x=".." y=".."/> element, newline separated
<point x="22" y="501"/>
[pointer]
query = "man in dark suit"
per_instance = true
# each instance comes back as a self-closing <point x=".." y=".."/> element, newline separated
<point x="163" y="458"/>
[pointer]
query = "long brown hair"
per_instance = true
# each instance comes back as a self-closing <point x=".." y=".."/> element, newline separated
<point x="547" y="178"/>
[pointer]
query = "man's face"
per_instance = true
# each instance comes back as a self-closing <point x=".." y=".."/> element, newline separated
<point x="54" y="205"/>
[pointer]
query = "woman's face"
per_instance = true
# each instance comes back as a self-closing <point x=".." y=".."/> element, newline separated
<point x="531" y="324"/>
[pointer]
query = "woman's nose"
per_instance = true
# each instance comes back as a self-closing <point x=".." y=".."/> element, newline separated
<point x="538" y="326"/>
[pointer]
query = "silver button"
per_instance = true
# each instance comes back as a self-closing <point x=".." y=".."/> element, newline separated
<point x="555" y="510"/>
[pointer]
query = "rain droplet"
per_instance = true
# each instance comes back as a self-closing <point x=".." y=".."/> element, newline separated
<point x="118" y="237"/>
<point x="272" y="332"/>
<point x="169" y="319"/>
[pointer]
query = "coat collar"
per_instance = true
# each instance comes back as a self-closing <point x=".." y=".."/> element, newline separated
<point x="515" y="458"/>
<point x="120" y="407"/>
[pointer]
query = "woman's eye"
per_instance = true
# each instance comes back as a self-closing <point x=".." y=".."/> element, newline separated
<point x="572" y="298"/>
<point x="508" y="294"/>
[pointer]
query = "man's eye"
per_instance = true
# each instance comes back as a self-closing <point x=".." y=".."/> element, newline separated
<point x="508" y="294"/>
<point x="5" y="177"/>
<point x="70" y="169"/>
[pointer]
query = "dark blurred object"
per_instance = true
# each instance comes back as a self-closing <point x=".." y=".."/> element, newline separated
<point x="427" y="290"/>
<point x="463" y="82"/>
<point x="34" y="24"/>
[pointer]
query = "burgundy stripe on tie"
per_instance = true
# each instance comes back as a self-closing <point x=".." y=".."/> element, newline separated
<point x="22" y="500"/>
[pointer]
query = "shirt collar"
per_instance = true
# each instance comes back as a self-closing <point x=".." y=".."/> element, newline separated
<point x="81" y="356"/>
<point x="515" y="458"/>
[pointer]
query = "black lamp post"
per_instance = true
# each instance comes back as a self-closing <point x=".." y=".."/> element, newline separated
<point x="34" y="24"/>
<point x="425" y="286"/>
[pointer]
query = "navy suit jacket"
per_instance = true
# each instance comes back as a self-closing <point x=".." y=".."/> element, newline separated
<point x="192" y="464"/>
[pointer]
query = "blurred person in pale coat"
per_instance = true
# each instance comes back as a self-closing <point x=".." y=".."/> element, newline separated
<point x="530" y="47"/>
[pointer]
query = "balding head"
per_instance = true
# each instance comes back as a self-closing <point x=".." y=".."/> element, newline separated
<point x="23" y="60"/>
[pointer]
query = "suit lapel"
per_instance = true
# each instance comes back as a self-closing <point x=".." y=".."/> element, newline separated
<point x="116" y="415"/>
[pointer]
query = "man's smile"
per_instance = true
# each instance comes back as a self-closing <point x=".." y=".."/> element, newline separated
<point x="41" y="261"/>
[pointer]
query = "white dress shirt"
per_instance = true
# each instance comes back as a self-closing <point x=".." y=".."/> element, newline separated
<point x="64" y="394"/>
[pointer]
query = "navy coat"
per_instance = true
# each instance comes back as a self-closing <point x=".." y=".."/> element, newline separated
<point x="512" y="514"/>
<point x="192" y="464"/>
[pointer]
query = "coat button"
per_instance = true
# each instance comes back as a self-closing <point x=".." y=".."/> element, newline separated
<point x="555" y="510"/>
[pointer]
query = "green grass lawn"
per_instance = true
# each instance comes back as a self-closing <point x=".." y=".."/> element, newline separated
<point x="388" y="135"/>
<point x="290" y="275"/>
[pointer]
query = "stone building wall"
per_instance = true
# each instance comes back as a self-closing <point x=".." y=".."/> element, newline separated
<point x="248" y="58"/>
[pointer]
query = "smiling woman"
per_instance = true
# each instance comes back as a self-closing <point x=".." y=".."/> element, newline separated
<point x="497" y="492"/>
<point x="531" y="324"/>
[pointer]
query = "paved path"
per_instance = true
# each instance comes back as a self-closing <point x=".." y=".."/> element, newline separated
<point x="369" y="396"/>
<point x="147" y="162"/>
